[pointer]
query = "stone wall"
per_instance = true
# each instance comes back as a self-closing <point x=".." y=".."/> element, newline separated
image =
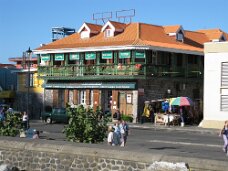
<point x="44" y="155"/>
<point x="37" y="156"/>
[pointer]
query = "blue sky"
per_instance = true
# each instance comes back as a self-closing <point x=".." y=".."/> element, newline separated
<point x="25" y="23"/>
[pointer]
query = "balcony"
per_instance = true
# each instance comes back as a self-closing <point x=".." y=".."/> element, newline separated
<point x="112" y="72"/>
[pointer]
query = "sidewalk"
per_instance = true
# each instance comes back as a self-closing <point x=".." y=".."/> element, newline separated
<point x="186" y="128"/>
<point x="147" y="125"/>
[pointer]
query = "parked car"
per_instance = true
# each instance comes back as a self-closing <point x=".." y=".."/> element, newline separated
<point x="56" y="114"/>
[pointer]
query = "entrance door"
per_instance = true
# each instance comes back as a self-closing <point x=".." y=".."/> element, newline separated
<point x="106" y="100"/>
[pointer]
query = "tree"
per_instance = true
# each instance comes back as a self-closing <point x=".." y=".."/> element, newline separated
<point x="85" y="125"/>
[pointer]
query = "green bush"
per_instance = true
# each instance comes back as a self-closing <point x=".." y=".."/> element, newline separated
<point x="85" y="125"/>
<point x="11" y="125"/>
<point x="127" y="118"/>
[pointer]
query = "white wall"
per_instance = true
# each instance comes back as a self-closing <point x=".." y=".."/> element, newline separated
<point x="212" y="81"/>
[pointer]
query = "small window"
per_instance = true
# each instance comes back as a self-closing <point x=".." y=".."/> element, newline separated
<point x="180" y="36"/>
<point x="224" y="103"/>
<point x="84" y="34"/>
<point x="108" y="33"/>
<point x="223" y="39"/>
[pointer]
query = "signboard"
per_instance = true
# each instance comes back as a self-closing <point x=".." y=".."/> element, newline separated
<point x="90" y="55"/>
<point x="140" y="54"/>
<point x="45" y="57"/>
<point x="74" y="56"/>
<point x="124" y="54"/>
<point x="59" y="57"/>
<point x="107" y="55"/>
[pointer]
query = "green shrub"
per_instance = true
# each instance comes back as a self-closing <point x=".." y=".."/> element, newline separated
<point x="127" y="118"/>
<point x="85" y="125"/>
<point x="11" y="125"/>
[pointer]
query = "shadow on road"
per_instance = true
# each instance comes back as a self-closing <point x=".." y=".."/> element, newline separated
<point x="162" y="148"/>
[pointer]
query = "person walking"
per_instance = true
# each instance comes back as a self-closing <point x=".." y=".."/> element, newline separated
<point x="116" y="134"/>
<point x="122" y="133"/>
<point x="224" y="134"/>
<point x="126" y="129"/>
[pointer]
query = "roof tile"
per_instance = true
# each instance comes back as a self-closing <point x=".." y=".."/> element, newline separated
<point x="137" y="34"/>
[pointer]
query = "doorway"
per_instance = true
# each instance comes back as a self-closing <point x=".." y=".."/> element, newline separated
<point x="106" y="100"/>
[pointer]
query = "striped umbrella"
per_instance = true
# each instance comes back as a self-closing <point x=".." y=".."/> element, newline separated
<point x="182" y="101"/>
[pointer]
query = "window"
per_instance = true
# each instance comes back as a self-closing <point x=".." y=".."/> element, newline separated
<point x="108" y="33"/>
<point x="82" y="97"/>
<point x="180" y="36"/>
<point x="85" y="34"/>
<point x="71" y="97"/>
<point x="91" y="98"/>
<point x="223" y="39"/>
<point x="224" y="102"/>
<point x="224" y="74"/>
<point x="224" y="84"/>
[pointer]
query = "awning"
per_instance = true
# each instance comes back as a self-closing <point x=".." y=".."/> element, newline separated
<point x="95" y="85"/>
<point x="7" y="94"/>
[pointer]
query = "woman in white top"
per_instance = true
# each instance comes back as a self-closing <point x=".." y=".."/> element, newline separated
<point x="25" y="121"/>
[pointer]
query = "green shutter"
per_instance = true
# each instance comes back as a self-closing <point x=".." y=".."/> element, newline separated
<point x="90" y="56"/>
<point x="74" y="56"/>
<point x="140" y="54"/>
<point x="45" y="57"/>
<point x="59" y="57"/>
<point x="124" y="54"/>
<point x="107" y="55"/>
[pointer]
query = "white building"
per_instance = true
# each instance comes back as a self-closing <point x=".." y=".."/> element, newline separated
<point x="215" y="84"/>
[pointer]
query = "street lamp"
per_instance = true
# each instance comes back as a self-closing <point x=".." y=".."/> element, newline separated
<point x="28" y="52"/>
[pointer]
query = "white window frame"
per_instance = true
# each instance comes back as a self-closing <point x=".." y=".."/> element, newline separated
<point x="108" y="33"/>
<point x="82" y="97"/>
<point x="85" y="34"/>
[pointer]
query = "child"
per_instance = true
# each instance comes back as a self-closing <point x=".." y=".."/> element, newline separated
<point x="36" y="135"/>
<point x="224" y="134"/>
<point x="110" y="135"/>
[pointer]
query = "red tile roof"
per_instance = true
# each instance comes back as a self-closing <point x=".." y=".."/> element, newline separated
<point x="213" y="33"/>
<point x="171" y="29"/>
<point x="135" y="34"/>
<point x="94" y="27"/>
<point x="118" y="25"/>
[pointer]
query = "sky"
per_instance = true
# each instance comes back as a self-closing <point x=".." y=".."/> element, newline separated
<point x="28" y="23"/>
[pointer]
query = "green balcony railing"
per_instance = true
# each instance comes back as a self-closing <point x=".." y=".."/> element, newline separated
<point x="105" y="70"/>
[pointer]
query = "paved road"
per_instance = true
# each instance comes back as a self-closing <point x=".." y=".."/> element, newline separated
<point x="169" y="142"/>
